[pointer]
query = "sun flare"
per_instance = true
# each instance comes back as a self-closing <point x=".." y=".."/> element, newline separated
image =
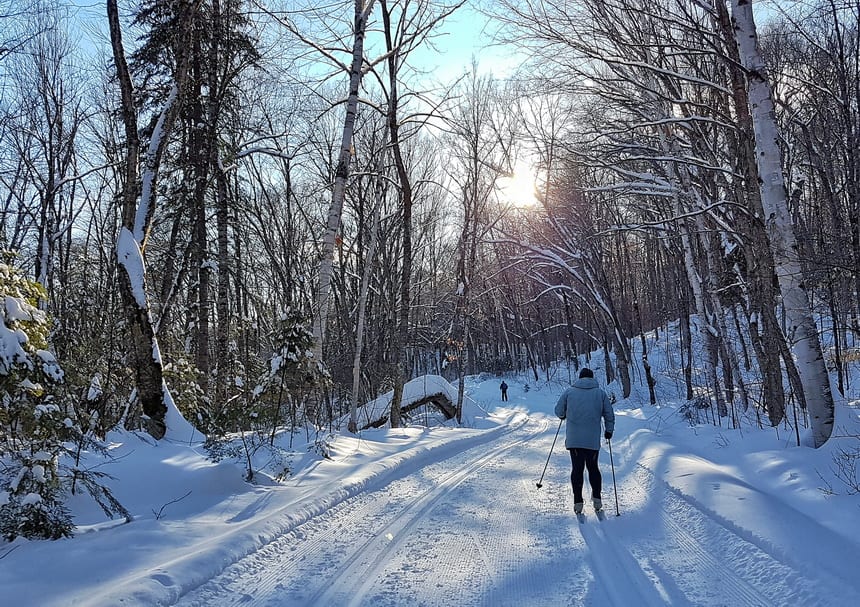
<point x="518" y="189"/>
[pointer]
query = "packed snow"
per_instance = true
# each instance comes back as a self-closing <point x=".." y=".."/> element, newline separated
<point x="446" y="515"/>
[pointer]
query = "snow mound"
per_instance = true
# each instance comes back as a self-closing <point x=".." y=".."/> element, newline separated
<point x="414" y="392"/>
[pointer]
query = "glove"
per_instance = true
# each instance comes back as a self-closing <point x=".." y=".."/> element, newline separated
<point x="607" y="435"/>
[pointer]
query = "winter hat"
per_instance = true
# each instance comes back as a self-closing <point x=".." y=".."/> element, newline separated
<point x="586" y="372"/>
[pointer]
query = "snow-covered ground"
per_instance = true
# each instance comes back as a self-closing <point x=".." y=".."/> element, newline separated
<point x="448" y="516"/>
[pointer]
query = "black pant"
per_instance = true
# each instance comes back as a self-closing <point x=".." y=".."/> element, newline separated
<point x="580" y="459"/>
<point x="504" y="395"/>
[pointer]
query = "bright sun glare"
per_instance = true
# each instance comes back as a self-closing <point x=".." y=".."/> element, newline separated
<point x="518" y="189"/>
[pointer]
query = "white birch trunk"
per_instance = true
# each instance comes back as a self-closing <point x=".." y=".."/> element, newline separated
<point x="801" y="324"/>
<point x="362" y="12"/>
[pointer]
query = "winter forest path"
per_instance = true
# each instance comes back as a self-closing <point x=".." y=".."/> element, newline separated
<point x="474" y="530"/>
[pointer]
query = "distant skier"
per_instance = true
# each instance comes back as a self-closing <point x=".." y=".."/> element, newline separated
<point x="504" y="388"/>
<point x="582" y="405"/>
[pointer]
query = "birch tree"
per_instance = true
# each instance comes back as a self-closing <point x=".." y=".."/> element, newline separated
<point x="356" y="72"/>
<point x="802" y="329"/>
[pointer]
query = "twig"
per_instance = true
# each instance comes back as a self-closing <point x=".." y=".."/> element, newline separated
<point x="160" y="512"/>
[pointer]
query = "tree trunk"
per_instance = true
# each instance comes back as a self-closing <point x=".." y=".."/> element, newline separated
<point x="802" y="329"/>
<point x="222" y="208"/>
<point x="402" y="332"/>
<point x="137" y="214"/>
<point x="686" y="342"/>
<point x="222" y="306"/>
<point x="649" y="377"/>
<point x="362" y="310"/>
<point x="199" y="146"/>
<point x="362" y="13"/>
<point x="765" y="334"/>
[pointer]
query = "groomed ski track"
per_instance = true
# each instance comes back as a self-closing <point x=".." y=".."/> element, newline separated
<point x="473" y="529"/>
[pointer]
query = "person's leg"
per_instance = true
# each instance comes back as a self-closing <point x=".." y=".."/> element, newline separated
<point x="594" y="476"/>
<point x="577" y="461"/>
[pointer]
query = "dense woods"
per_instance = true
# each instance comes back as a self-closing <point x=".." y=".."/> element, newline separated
<point x="265" y="214"/>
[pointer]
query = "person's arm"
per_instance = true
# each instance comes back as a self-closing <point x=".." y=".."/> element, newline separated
<point x="561" y="406"/>
<point x="608" y="418"/>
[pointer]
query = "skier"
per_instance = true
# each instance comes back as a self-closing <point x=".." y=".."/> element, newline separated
<point x="582" y="405"/>
<point x="504" y="388"/>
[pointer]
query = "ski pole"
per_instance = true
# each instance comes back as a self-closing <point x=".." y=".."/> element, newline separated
<point x="540" y="482"/>
<point x="614" y="486"/>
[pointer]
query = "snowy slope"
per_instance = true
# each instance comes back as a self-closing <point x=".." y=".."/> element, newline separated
<point x="448" y="516"/>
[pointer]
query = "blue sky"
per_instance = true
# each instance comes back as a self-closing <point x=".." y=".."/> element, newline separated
<point x="464" y="35"/>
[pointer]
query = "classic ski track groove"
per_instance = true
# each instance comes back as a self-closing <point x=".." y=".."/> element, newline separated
<point x="397" y="530"/>
<point x="375" y="514"/>
<point x="278" y="562"/>
<point x="739" y="591"/>
<point x="476" y="547"/>
<point x="612" y="573"/>
<point x="799" y="587"/>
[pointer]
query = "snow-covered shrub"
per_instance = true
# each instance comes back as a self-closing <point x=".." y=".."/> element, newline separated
<point x="292" y="374"/>
<point x="291" y="378"/>
<point x="323" y="444"/>
<point x="102" y="385"/>
<point x="693" y="410"/>
<point x="41" y="441"/>
<point x="255" y="453"/>
<point x="33" y="424"/>
<point x="89" y="334"/>
<point x="31" y="486"/>
<point x="183" y="380"/>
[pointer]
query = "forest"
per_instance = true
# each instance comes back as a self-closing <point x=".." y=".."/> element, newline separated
<point x="263" y="214"/>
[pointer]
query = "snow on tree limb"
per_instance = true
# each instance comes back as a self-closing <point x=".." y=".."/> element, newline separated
<point x="130" y="257"/>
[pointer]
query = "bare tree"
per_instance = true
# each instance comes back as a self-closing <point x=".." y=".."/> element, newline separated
<point x="356" y="72"/>
<point x="138" y="206"/>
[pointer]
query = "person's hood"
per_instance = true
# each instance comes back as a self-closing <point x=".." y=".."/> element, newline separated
<point x="586" y="383"/>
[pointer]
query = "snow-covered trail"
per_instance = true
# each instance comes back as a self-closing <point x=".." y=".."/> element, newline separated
<point x="474" y="530"/>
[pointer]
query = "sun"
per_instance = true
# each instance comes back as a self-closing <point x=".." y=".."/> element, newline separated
<point x="519" y="188"/>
